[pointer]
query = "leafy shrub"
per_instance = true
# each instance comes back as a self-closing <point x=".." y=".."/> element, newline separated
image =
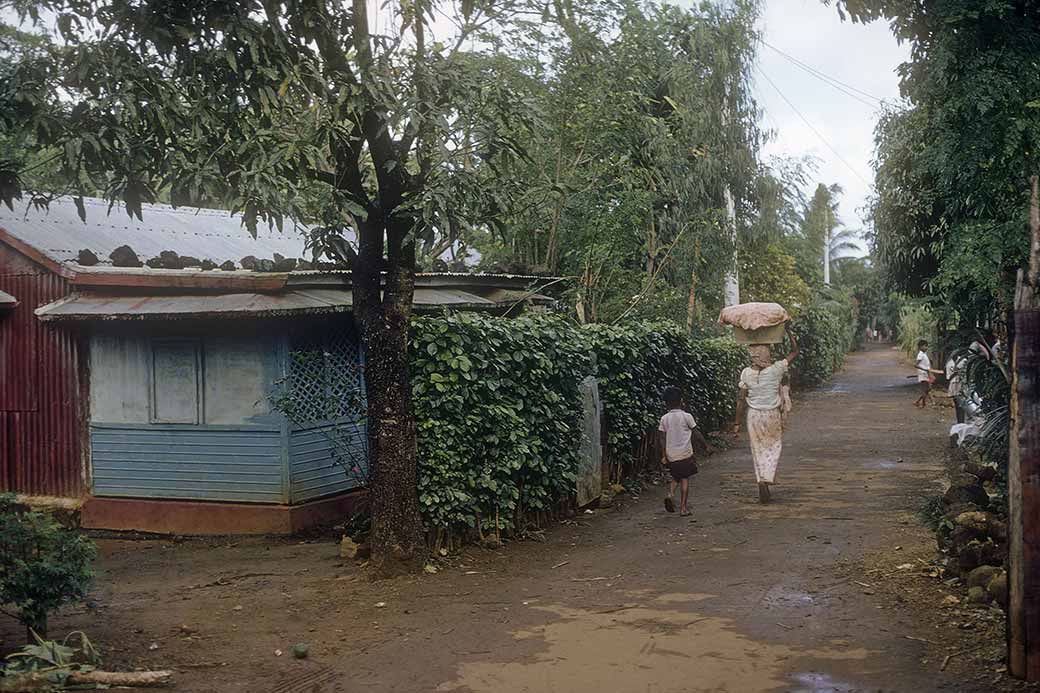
<point x="916" y="322"/>
<point x="769" y="274"/>
<point x="54" y="659"/>
<point x="42" y="564"/>
<point x="498" y="406"/>
<point x="826" y="333"/>
<point x="635" y="362"/>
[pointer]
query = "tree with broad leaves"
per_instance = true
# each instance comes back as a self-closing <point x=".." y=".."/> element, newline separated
<point x="284" y="110"/>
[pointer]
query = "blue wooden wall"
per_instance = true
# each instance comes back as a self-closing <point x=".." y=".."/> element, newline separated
<point x="315" y="470"/>
<point x="241" y="450"/>
<point x="227" y="463"/>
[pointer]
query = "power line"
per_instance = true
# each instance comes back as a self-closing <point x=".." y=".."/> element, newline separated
<point x="810" y="126"/>
<point x="845" y="88"/>
<point x="818" y="73"/>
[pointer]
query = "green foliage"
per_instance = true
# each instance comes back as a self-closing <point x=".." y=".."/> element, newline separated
<point x="989" y="380"/>
<point x="858" y="278"/>
<point x="932" y="511"/>
<point x="623" y="184"/>
<point x="56" y="659"/>
<point x="826" y="332"/>
<point x="769" y="275"/>
<point x="953" y="164"/>
<point x="498" y="405"/>
<point x="636" y="361"/>
<point x="819" y="225"/>
<point x="42" y="565"/>
<point x="916" y="322"/>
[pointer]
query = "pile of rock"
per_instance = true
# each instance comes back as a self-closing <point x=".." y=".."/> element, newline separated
<point x="124" y="256"/>
<point x="974" y="536"/>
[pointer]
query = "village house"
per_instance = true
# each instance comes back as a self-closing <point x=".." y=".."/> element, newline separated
<point x="178" y="375"/>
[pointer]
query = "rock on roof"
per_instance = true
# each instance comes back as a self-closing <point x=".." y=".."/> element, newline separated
<point x="216" y="235"/>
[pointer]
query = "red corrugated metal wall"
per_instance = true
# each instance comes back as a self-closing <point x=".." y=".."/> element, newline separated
<point x="40" y="394"/>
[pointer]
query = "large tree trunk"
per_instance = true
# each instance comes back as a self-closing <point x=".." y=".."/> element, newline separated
<point x="1024" y="468"/>
<point x="397" y="539"/>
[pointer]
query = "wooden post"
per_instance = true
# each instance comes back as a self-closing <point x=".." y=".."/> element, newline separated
<point x="1024" y="467"/>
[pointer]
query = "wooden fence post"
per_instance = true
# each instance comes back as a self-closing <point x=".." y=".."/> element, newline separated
<point x="1024" y="466"/>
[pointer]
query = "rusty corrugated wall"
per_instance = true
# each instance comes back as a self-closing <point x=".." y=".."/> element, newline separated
<point x="41" y="426"/>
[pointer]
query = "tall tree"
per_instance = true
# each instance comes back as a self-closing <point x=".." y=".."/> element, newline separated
<point x="820" y="225"/>
<point x="285" y="109"/>
<point x="624" y="185"/>
<point x="953" y="163"/>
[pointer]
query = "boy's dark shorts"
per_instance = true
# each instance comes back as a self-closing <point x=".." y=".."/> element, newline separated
<point x="683" y="469"/>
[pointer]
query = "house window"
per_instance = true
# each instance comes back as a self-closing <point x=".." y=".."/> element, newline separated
<point x="176" y="379"/>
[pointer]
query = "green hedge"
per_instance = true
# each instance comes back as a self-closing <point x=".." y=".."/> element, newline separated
<point x="826" y="332"/>
<point x="635" y="362"/>
<point x="498" y="408"/>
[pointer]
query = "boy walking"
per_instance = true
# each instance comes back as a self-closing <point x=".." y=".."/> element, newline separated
<point x="925" y="376"/>
<point x="676" y="437"/>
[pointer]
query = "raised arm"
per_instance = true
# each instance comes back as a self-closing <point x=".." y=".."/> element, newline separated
<point x="794" y="345"/>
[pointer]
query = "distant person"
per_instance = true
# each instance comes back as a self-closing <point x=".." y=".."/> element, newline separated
<point x="955" y="367"/>
<point x="925" y="375"/>
<point x="760" y="400"/>
<point x="677" y="435"/>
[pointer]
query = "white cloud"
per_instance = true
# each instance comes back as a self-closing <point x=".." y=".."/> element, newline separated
<point x="862" y="56"/>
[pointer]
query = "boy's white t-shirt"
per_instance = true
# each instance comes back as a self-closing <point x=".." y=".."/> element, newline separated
<point x="923" y="362"/>
<point x="677" y="426"/>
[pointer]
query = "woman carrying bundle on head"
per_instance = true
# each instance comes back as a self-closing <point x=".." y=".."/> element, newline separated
<point x="761" y="401"/>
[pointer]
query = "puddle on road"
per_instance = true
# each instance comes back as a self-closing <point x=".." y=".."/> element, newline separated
<point x="782" y="595"/>
<point x="639" y="647"/>
<point x="883" y="464"/>
<point x="814" y="682"/>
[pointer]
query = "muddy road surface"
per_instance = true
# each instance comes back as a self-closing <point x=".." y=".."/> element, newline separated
<point x="739" y="597"/>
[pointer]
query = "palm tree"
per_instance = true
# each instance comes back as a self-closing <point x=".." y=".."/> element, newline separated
<point x="844" y="243"/>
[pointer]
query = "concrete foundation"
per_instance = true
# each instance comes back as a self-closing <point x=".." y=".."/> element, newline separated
<point x="198" y="518"/>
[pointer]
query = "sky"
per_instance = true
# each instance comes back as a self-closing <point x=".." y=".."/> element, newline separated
<point x="864" y="57"/>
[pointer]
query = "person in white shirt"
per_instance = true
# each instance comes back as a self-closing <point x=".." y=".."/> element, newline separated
<point x="676" y="437"/>
<point x="760" y="401"/>
<point x="925" y="375"/>
<point x="955" y="368"/>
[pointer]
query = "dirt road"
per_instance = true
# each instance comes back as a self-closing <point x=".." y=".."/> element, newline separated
<point x="740" y="597"/>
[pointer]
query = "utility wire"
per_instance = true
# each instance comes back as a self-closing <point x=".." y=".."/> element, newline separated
<point x="815" y="131"/>
<point x="845" y="88"/>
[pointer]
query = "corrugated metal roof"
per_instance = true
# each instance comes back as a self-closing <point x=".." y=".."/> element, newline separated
<point x="205" y="234"/>
<point x="295" y="302"/>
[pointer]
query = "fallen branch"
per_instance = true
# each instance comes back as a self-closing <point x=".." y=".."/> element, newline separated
<point x="41" y="681"/>
<point x="594" y="579"/>
<point x="930" y="642"/>
<point x="560" y="565"/>
<point x="958" y="654"/>
<point x="223" y="581"/>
